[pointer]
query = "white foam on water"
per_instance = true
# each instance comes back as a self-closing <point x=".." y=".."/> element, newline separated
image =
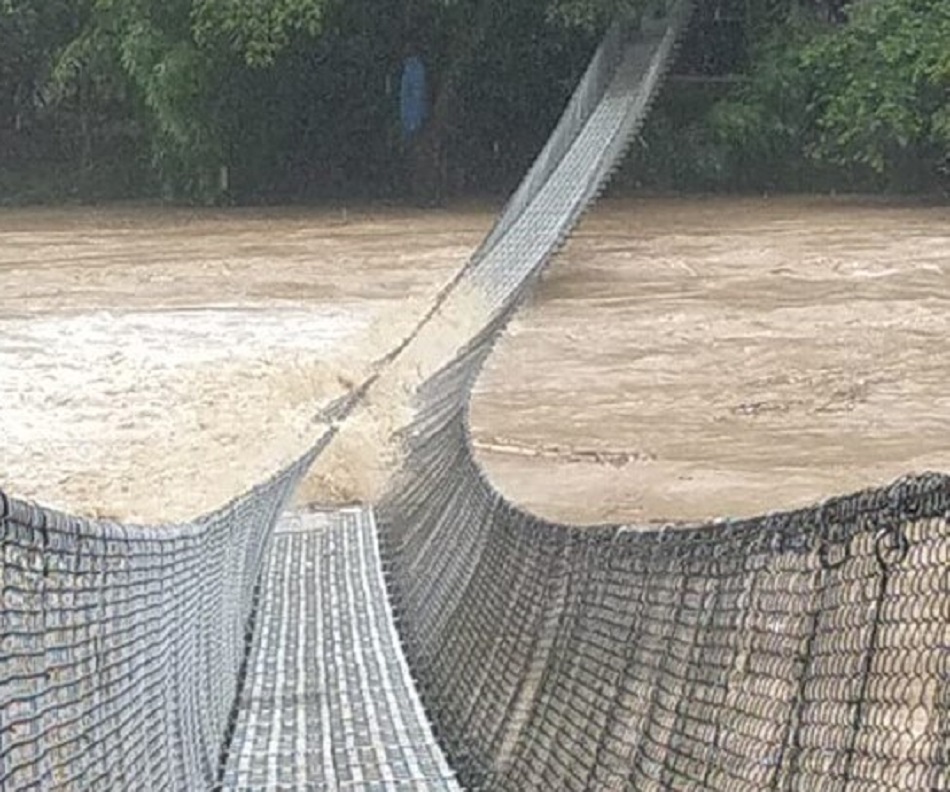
<point x="159" y="415"/>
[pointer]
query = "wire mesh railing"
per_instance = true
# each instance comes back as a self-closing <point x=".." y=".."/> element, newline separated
<point x="122" y="647"/>
<point x="808" y="650"/>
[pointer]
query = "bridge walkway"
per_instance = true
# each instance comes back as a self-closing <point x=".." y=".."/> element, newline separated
<point x="328" y="701"/>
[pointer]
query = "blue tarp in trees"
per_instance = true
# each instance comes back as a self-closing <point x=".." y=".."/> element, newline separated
<point x="413" y="98"/>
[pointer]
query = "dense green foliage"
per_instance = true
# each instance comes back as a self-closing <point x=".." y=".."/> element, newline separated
<point x="249" y="100"/>
<point x="860" y="105"/>
<point x="880" y="89"/>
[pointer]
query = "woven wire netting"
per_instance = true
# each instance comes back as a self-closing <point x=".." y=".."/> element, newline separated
<point x="122" y="647"/>
<point x="801" y="651"/>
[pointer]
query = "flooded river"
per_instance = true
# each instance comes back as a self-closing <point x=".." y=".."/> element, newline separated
<point x="681" y="359"/>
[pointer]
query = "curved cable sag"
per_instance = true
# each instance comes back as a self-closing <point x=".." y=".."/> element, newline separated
<point x="765" y="653"/>
<point x="726" y="656"/>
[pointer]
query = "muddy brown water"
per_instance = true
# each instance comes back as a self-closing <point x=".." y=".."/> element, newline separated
<point x="681" y="359"/>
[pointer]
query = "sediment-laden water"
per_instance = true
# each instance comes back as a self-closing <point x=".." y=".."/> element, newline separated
<point x="682" y="358"/>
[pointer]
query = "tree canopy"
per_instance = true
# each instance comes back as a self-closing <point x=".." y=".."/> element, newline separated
<point x="867" y="100"/>
<point x="291" y="98"/>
